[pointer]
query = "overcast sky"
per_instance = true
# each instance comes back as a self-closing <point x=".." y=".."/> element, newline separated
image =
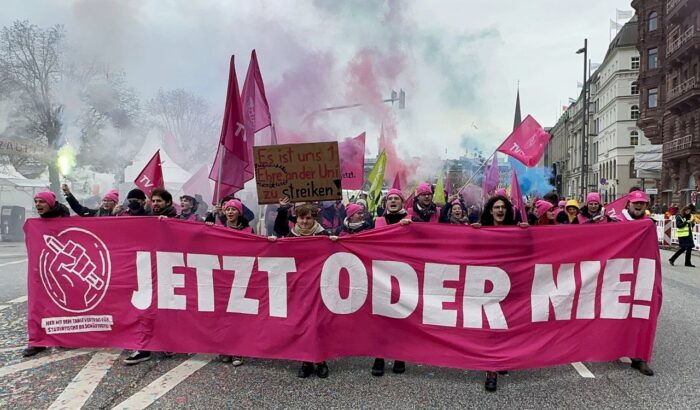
<point x="458" y="61"/>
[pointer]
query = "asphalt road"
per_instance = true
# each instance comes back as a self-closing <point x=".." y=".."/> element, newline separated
<point x="61" y="378"/>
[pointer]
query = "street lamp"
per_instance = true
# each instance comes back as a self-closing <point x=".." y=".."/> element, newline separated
<point x="584" y="113"/>
<point x="399" y="97"/>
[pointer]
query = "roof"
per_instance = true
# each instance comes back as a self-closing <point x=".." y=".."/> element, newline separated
<point x="626" y="37"/>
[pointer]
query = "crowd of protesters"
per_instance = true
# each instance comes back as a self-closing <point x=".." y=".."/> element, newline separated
<point x="334" y="219"/>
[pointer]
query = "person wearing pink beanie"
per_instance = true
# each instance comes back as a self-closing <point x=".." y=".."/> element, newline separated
<point x="233" y="209"/>
<point x="354" y="221"/>
<point x="47" y="207"/>
<point x="544" y="211"/>
<point x="107" y="207"/>
<point x="424" y="209"/>
<point x="593" y="211"/>
<point x="394" y="211"/>
<point x="454" y="212"/>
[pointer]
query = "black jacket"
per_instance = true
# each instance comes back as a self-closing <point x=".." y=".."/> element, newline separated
<point x="58" y="211"/>
<point x="84" y="211"/>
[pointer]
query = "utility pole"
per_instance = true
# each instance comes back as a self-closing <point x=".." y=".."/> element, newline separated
<point x="584" y="124"/>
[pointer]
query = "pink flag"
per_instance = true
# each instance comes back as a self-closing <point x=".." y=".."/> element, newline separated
<point x="397" y="182"/>
<point x="526" y="143"/>
<point x="352" y="162"/>
<point x="490" y="182"/>
<point x="615" y="208"/>
<point x="232" y="154"/>
<point x="448" y="184"/>
<point x="516" y="198"/>
<point x="151" y="177"/>
<point x="256" y="111"/>
<point x="198" y="184"/>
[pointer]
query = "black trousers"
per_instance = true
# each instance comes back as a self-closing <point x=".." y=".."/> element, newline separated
<point x="686" y="245"/>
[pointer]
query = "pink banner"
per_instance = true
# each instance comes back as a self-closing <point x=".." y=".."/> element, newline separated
<point x="352" y="162"/>
<point x="464" y="299"/>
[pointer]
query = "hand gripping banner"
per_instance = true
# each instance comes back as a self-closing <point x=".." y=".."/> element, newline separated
<point x="489" y="298"/>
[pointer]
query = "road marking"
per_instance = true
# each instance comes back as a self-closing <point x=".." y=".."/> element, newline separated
<point x="32" y="364"/>
<point x="10" y="349"/>
<point x="149" y="394"/>
<point x="20" y="299"/>
<point x="625" y="360"/>
<point x="84" y="383"/>
<point x="583" y="370"/>
<point x="12" y="263"/>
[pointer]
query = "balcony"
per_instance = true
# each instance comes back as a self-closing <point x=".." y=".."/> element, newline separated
<point x="677" y="147"/>
<point x="675" y="9"/>
<point x="676" y="44"/>
<point x="684" y="96"/>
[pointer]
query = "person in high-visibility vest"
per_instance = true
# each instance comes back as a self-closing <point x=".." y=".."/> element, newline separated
<point x="684" y="232"/>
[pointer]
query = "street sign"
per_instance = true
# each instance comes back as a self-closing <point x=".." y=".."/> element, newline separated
<point x="652" y="191"/>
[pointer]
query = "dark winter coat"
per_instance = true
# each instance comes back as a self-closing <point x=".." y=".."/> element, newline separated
<point x="85" y="211"/>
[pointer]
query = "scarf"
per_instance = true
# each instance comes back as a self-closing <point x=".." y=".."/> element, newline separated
<point x="424" y="214"/>
<point x="394" y="217"/>
<point x="314" y="230"/>
<point x="168" y="211"/>
<point x="237" y="226"/>
<point x="459" y="221"/>
<point x="353" y="227"/>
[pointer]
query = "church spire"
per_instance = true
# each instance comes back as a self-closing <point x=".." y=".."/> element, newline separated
<point x="517" y="120"/>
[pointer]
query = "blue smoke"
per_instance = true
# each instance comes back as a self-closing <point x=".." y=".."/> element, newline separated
<point x="533" y="181"/>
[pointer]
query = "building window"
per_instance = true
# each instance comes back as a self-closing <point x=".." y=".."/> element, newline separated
<point x="653" y="97"/>
<point x="634" y="138"/>
<point x="633" y="172"/>
<point x="653" y="60"/>
<point x="634" y="112"/>
<point x="635" y="63"/>
<point x="634" y="89"/>
<point x="653" y="21"/>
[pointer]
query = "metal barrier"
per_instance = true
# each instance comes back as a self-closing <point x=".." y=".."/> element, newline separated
<point x="666" y="232"/>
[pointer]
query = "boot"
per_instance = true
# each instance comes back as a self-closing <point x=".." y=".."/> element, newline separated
<point x="642" y="366"/>
<point x="378" y="367"/>
<point x="305" y="370"/>
<point x="688" y="253"/>
<point x="491" y="381"/>
<point x="399" y="367"/>
<point x="322" y="370"/>
<point x="30" y="351"/>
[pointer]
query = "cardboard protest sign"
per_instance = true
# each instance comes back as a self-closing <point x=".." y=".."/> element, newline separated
<point x="301" y="172"/>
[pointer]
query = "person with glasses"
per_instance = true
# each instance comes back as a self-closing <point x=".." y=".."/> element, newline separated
<point x="498" y="211"/>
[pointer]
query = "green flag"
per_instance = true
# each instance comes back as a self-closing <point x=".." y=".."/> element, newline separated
<point x="376" y="181"/>
<point x="439" y="196"/>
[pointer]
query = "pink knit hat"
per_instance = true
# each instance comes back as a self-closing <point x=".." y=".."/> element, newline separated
<point x="424" y="189"/>
<point x="394" y="191"/>
<point x="235" y="203"/>
<point x="352" y="209"/>
<point x="543" y="206"/>
<point x="501" y="192"/>
<point x="456" y="202"/>
<point x="46" y="196"/>
<point x="562" y="203"/>
<point x="112" y="195"/>
<point x="593" y="197"/>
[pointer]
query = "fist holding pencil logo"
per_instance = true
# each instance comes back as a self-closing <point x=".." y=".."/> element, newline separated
<point x="75" y="269"/>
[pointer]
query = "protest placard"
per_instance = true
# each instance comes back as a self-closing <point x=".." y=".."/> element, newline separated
<point x="301" y="172"/>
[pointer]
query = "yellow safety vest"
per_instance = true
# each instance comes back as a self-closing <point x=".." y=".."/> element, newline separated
<point x="684" y="231"/>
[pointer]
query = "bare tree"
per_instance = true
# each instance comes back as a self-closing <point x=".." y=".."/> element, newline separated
<point x="186" y="118"/>
<point x="30" y="66"/>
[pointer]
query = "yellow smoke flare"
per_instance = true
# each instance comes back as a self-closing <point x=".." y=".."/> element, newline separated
<point x="66" y="159"/>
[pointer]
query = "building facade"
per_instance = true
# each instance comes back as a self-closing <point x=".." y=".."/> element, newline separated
<point x="563" y="153"/>
<point x="615" y="106"/>
<point x="669" y="85"/>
